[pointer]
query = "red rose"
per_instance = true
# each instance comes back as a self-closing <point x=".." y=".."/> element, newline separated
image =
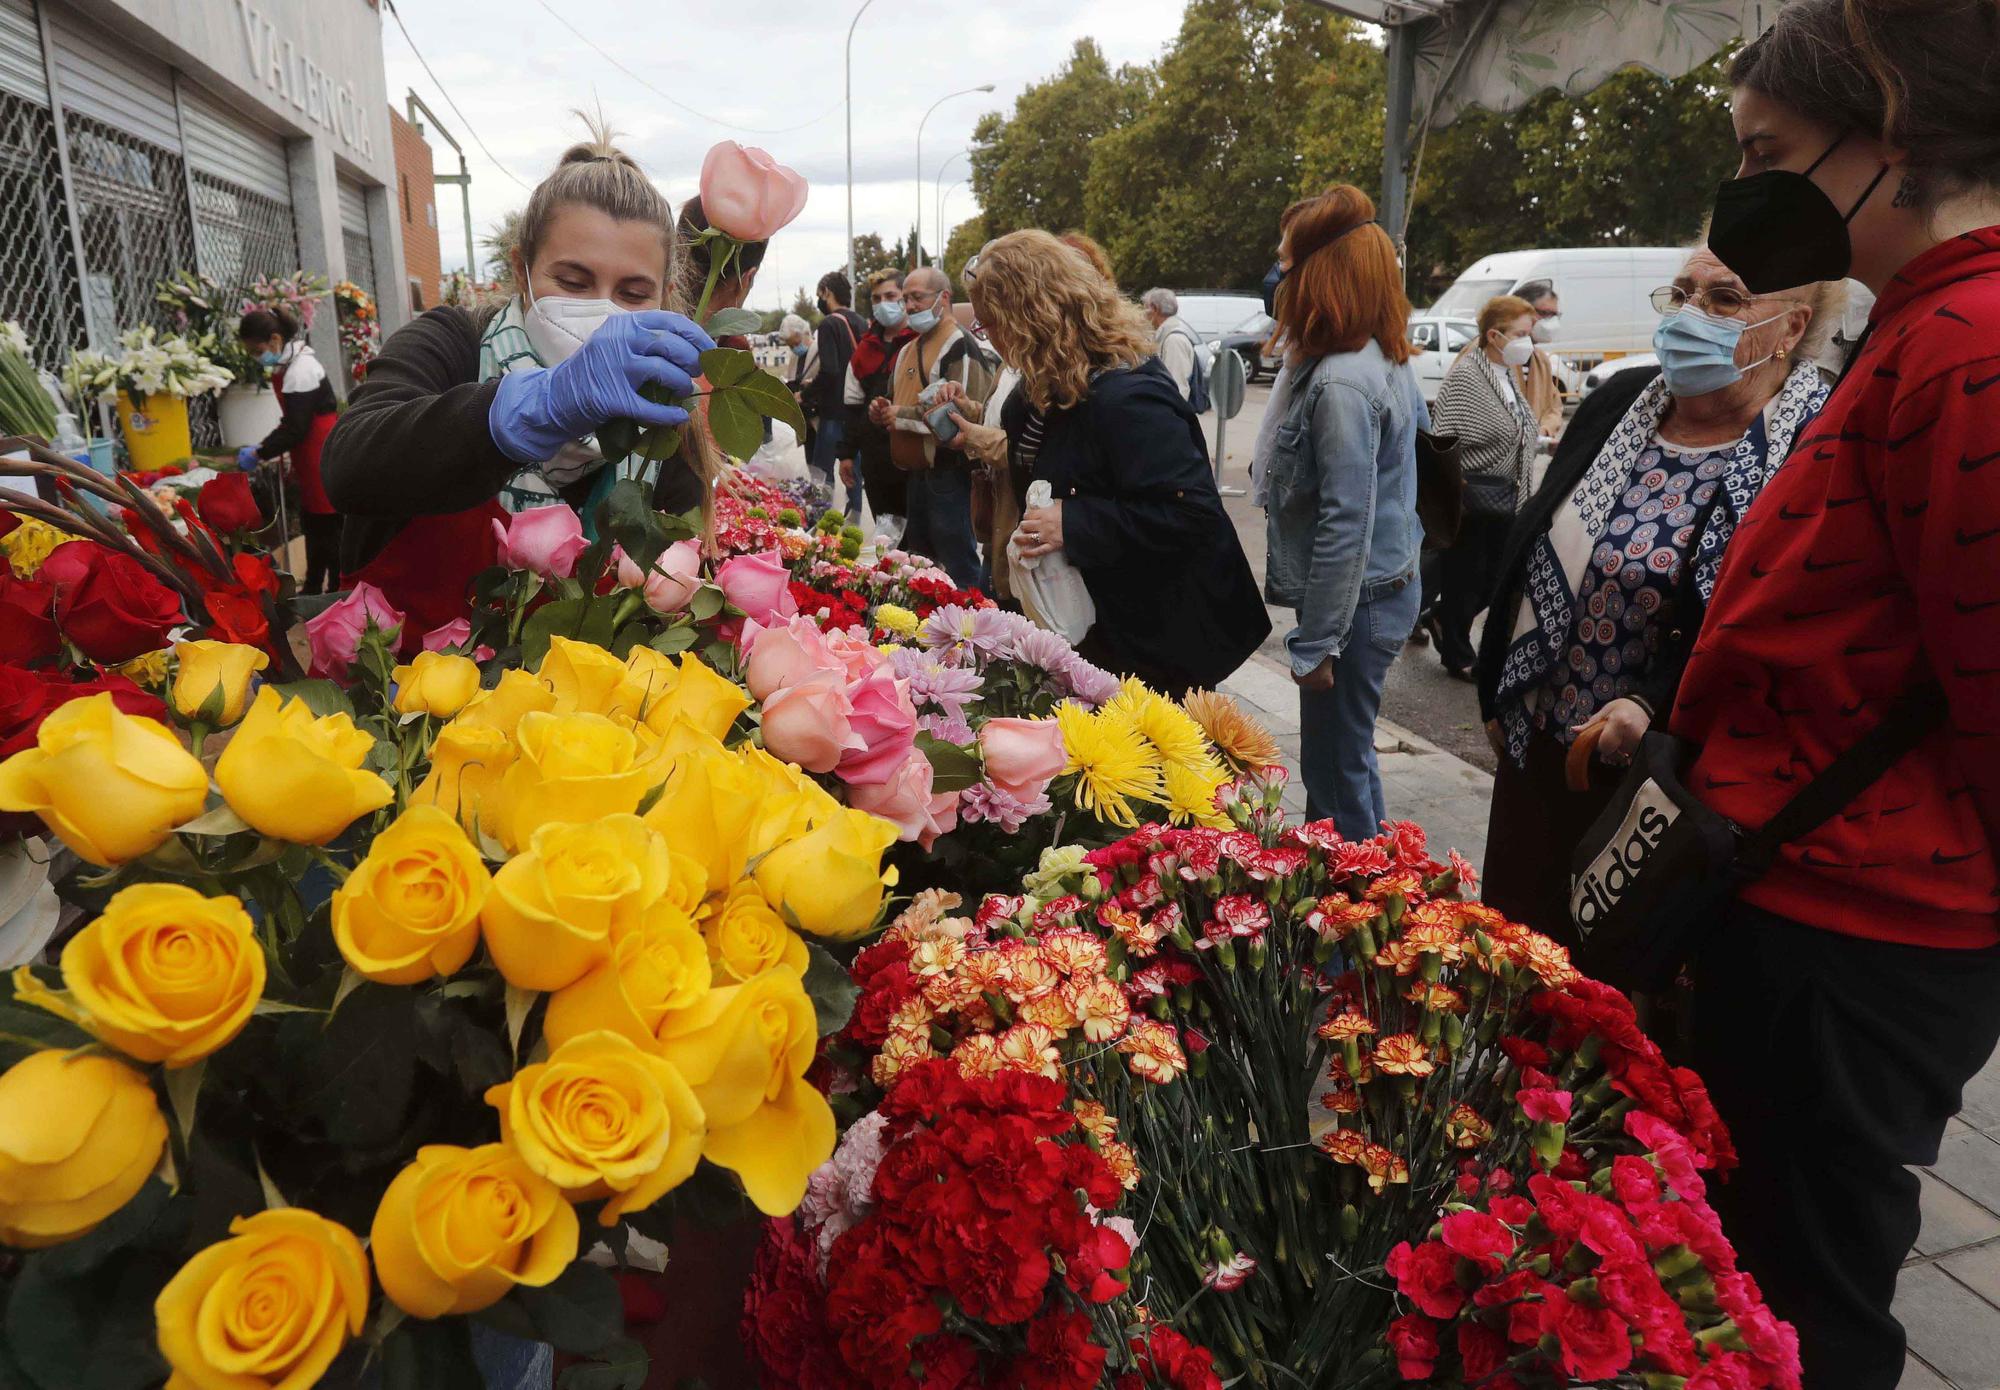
<point x="109" y="604"/>
<point x="1478" y="1237"/>
<point x="1595" y="1344"/>
<point x="1482" y="1350"/>
<point x="1427" y="1275"/>
<point x="26" y="698"/>
<point x="236" y="617"/>
<point x="255" y="574"/>
<point x="1414" y="1340"/>
<point x="27" y="632"/>
<point x="226" y="504"/>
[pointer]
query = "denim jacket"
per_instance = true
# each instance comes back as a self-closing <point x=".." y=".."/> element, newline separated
<point x="1341" y="476"/>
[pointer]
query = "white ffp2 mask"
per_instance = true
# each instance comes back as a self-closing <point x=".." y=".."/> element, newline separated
<point x="557" y="326"/>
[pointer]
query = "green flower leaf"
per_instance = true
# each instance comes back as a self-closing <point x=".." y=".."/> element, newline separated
<point x="831" y="989"/>
<point x="727" y="322"/>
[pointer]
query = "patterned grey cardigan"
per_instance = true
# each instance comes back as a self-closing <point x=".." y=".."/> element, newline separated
<point x="1493" y="437"/>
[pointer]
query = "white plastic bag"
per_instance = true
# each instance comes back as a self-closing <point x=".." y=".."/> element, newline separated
<point x="781" y="460"/>
<point x="1049" y="587"/>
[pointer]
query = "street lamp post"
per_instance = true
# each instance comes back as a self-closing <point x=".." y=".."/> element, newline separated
<point x="944" y="196"/>
<point x="917" y="251"/>
<point x="848" y="102"/>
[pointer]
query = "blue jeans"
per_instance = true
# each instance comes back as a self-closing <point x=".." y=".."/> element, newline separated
<point x="940" y="522"/>
<point x="1337" y="726"/>
<point x="825" y="468"/>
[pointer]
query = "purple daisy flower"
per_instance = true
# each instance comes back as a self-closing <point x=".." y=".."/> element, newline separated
<point x="998" y="806"/>
<point x="937" y="678"/>
<point x="982" y="630"/>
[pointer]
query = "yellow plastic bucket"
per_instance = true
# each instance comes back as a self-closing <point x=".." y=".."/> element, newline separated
<point x="156" y="431"/>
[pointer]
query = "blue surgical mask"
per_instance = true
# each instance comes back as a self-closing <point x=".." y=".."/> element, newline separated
<point x="924" y="320"/>
<point x="798" y="349"/>
<point x="1697" y="351"/>
<point x="1273" y="278"/>
<point x="270" y="359"/>
<point x="889" y="313"/>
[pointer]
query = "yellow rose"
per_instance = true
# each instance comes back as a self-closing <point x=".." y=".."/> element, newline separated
<point x="79" y="1135"/>
<point x="297" y="776"/>
<point x="164" y="975"/>
<point x="586" y="679"/>
<point x="649" y="676"/>
<point x="435" y="683"/>
<point x="746" y="938"/>
<point x="789" y="803"/>
<point x="467" y="761"/>
<point x="654" y="968"/>
<point x="460" y="1228"/>
<point x="702" y="697"/>
<point x="603" y="1118"/>
<point x="572" y="768"/>
<point x="410" y="909"/>
<point x="706" y="804"/>
<point x="553" y="910"/>
<point x="745" y="1050"/>
<point x="502" y="707"/>
<point x="830" y="880"/>
<point x="212" y="680"/>
<point x="690" y="883"/>
<point x="270" y="1307"/>
<point x="112" y="785"/>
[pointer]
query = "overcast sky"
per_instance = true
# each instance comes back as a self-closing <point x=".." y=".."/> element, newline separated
<point x="515" y="71"/>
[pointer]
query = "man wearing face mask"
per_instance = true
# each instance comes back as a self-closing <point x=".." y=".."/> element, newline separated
<point x="863" y="449"/>
<point x="1537" y="379"/>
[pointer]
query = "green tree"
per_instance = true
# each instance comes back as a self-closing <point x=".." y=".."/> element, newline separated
<point x="966" y="238"/>
<point x="1029" y="168"/>
<point x="806" y="306"/>
<point x="870" y="255"/>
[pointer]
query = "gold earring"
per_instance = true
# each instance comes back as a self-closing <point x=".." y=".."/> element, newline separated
<point x="1781" y="354"/>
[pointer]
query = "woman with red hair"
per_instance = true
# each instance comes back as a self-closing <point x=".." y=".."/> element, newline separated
<point x="1336" y="471"/>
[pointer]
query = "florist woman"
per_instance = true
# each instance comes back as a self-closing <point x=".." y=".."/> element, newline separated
<point x="305" y="396"/>
<point x="459" y="406"/>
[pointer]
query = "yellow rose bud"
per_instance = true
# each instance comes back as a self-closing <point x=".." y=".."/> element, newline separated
<point x="79" y="1135"/>
<point x="690" y="884"/>
<point x="435" y="683"/>
<point x="586" y="679"/>
<point x="745" y="1049"/>
<point x="553" y="910"/>
<point x="112" y="785"/>
<point x="573" y="768"/>
<point x="702" y="697"/>
<point x="212" y="680"/>
<point x="830" y="880"/>
<point x="164" y="975"/>
<point x="603" y="1118"/>
<point x="267" y="1309"/>
<point x="655" y="968"/>
<point x="746" y="938"/>
<point x="458" y="1229"/>
<point x="410" y="909"/>
<point x="297" y="776"/>
<point x="467" y="761"/>
<point x="502" y="707"/>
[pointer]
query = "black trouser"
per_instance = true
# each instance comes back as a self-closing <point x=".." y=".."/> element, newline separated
<point x="1533" y="828"/>
<point x="322" y="533"/>
<point x="1835" y="1061"/>
<point x="1465" y="576"/>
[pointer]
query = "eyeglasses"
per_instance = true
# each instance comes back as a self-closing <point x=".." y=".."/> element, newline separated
<point x="1722" y="300"/>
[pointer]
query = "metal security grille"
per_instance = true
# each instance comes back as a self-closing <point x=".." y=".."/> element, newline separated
<point x="38" y="281"/>
<point x="131" y="206"/>
<point x="360" y="257"/>
<point x="242" y="236"/>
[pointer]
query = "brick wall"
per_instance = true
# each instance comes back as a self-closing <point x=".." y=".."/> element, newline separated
<point x="415" y="200"/>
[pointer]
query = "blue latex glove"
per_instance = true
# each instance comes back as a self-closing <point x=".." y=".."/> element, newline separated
<point x="537" y="412"/>
<point x="246" y="458"/>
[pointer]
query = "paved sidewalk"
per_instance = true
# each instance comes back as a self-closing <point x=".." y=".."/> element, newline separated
<point x="1949" y="1295"/>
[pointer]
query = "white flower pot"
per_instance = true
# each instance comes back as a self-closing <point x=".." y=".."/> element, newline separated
<point x="247" y="414"/>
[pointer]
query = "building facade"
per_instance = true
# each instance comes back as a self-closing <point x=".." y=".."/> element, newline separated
<point x="241" y="138"/>
<point x="416" y="206"/>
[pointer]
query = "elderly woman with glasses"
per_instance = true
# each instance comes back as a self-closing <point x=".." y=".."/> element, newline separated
<point x="1609" y="567"/>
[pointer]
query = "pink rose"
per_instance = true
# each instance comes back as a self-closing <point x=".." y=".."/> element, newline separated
<point x="335" y="635"/>
<point x="452" y="637"/>
<point x="857" y="655"/>
<point x="778" y="657"/>
<point x="748" y="194"/>
<point x="546" y="540"/>
<point x="675" y="576"/>
<point x="885" y="722"/>
<point x="1022" y="755"/>
<point x="760" y="585"/>
<point x="907" y="800"/>
<point x="809" y="723"/>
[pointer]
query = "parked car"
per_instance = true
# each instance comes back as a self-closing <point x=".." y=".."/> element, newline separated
<point x="1251" y="341"/>
<point x="1438" y="342"/>
<point x="1604" y="291"/>
<point x="1610" y="367"/>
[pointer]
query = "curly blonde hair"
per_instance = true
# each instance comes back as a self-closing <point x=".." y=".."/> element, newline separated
<point x="1062" y="321"/>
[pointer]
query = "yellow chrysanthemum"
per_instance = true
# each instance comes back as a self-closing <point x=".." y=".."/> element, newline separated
<point x="149" y="670"/>
<point x="891" y="617"/>
<point x="1112" y="763"/>
<point x="29" y="543"/>
<point x="1238" y="737"/>
<point x="1177" y="738"/>
<point x="1191" y="794"/>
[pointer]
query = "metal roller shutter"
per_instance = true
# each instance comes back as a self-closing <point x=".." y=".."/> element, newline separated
<point x="354" y="235"/>
<point x="38" y="281"/>
<point x="21" y="69"/>
<point x="242" y="193"/>
<point x="105" y="77"/>
<point x="222" y="143"/>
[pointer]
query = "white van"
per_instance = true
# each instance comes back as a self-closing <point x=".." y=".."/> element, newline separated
<point x="1606" y="309"/>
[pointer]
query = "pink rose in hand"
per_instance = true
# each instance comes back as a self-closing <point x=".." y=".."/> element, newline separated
<point x="675" y="577"/>
<point x="885" y="722"/>
<point x="748" y="194"/>
<point x="811" y="724"/>
<point x="907" y="799"/>
<point x="546" y="540"/>
<point x="335" y="635"/>
<point x="778" y="657"/>
<point x="760" y="585"/>
<point x="452" y="637"/>
<point x="1022" y="756"/>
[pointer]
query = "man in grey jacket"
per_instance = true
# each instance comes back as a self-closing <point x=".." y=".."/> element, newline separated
<point x="1177" y="342"/>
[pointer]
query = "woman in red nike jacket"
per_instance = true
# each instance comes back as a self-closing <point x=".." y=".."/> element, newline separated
<point x="1854" y="989"/>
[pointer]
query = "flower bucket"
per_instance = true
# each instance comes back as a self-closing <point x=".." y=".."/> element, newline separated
<point x="247" y="414"/>
<point x="156" y="431"/>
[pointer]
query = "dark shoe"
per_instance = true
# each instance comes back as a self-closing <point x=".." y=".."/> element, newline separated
<point x="1461" y="673"/>
<point x="1418" y="637"/>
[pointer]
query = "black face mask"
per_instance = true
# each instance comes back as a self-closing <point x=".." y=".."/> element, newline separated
<point x="1778" y="230"/>
<point x="1273" y="278"/>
